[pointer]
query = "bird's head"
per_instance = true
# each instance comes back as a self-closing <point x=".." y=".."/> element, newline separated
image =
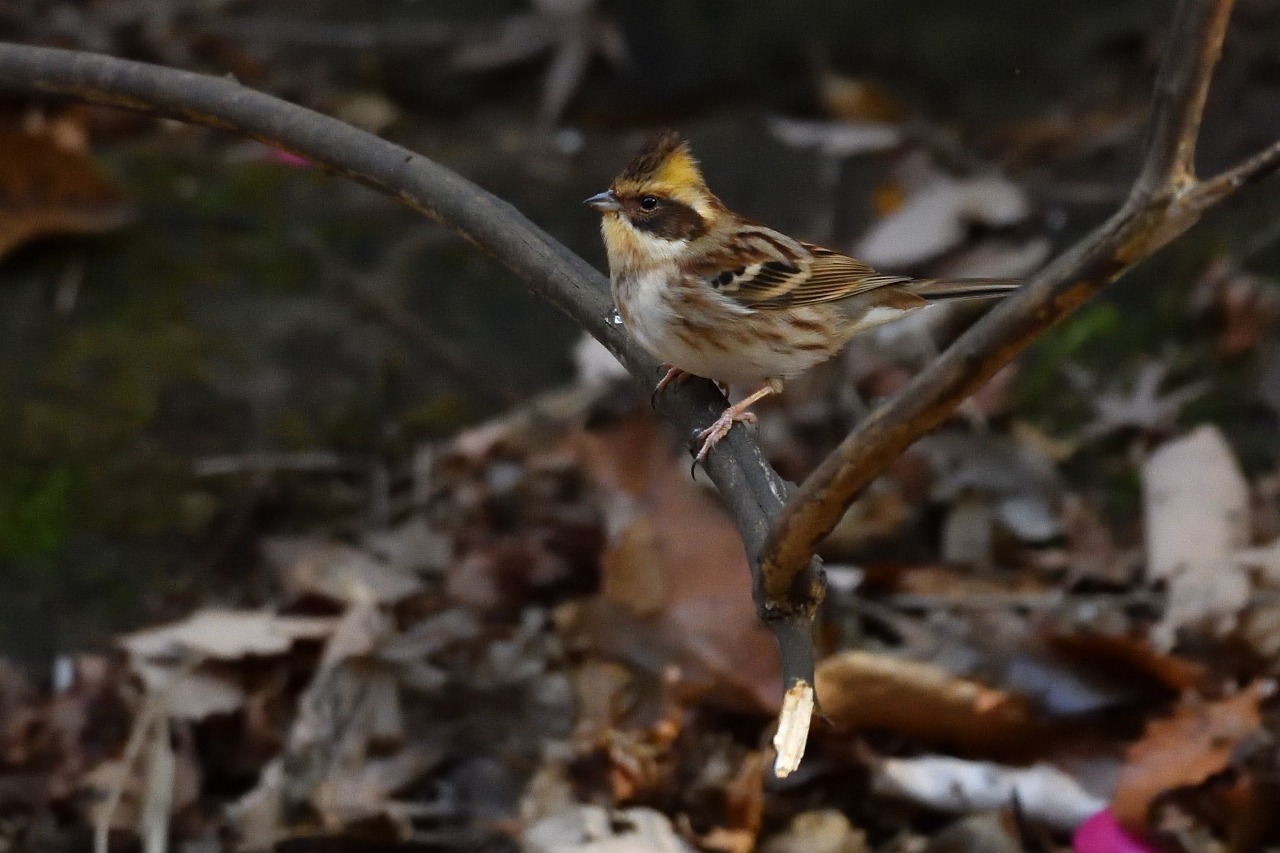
<point x="657" y="206"/>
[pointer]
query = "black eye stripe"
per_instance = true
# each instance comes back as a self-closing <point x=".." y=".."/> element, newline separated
<point x="669" y="219"/>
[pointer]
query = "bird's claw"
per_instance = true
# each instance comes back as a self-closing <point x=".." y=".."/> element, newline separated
<point x="712" y="435"/>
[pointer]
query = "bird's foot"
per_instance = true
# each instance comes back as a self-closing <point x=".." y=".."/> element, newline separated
<point x="712" y="435"/>
<point x="737" y="413"/>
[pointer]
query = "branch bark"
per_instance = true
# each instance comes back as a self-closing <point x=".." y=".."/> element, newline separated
<point x="780" y="527"/>
<point x="752" y="491"/>
<point x="1165" y="200"/>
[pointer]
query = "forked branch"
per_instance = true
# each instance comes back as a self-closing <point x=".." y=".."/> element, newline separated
<point x="1165" y="200"/>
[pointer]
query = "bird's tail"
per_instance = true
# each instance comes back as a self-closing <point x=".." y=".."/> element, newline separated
<point x="938" y="289"/>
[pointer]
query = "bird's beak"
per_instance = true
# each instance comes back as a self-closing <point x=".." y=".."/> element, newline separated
<point x="604" y="201"/>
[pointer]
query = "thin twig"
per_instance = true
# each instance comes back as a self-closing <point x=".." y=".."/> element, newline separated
<point x="154" y="706"/>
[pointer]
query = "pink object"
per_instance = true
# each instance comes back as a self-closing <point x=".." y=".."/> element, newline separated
<point x="1102" y="834"/>
<point x="287" y="158"/>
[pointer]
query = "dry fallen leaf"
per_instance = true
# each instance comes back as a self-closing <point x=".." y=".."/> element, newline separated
<point x="162" y="657"/>
<point x="1196" y="507"/>
<point x="860" y="690"/>
<point x="592" y="829"/>
<point x="857" y="100"/>
<point x="192" y="696"/>
<point x="837" y="138"/>
<point x="1245" y="305"/>
<point x="935" y="216"/>
<point x="1143" y="406"/>
<point x="1133" y="655"/>
<point x="824" y="831"/>
<point x="675" y="569"/>
<point x="1186" y="748"/>
<point x="333" y="571"/>
<point x="1043" y="793"/>
<point x="227" y="635"/>
<point x="45" y="189"/>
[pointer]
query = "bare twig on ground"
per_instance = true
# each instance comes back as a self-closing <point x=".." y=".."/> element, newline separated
<point x="149" y="726"/>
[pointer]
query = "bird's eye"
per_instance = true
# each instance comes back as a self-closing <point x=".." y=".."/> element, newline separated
<point x="648" y="203"/>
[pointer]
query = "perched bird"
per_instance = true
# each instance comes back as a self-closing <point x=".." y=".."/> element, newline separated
<point x="713" y="294"/>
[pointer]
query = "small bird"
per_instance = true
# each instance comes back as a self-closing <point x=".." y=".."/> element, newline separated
<point x="713" y="294"/>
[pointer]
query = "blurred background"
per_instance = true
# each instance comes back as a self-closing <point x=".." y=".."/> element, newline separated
<point x="230" y="380"/>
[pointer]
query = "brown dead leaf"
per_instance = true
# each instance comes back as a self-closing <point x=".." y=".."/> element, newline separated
<point x="631" y="568"/>
<point x="45" y="189"/>
<point x="1091" y="549"/>
<point x="1245" y="305"/>
<point x="501" y="575"/>
<point x="856" y="100"/>
<point x="684" y="549"/>
<point x="1185" y="749"/>
<point x="743" y="809"/>
<point x="950" y="584"/>
<point x="744" y="796"/>
<point x="860" y="690"/>
<point x="879" y="513"/>
<point x="1066" y="134"/>
<point x="722" y="840"/>
<point x="601" y="691"/>
<point x="1134" y="655"/>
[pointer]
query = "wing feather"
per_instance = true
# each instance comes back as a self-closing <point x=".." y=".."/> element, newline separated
<point x="765" y="269"/>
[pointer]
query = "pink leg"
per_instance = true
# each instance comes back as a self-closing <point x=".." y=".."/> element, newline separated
<point x="673" y="374"/>
<point x="737" y="413"/>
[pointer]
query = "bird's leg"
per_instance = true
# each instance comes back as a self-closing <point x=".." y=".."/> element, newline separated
<point x="673" y="374"/>
<point x="732" y="415"/>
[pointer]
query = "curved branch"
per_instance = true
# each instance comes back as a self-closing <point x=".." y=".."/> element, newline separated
<point x="1165" y="200"/>
<point x="780" y="534"/>
<point x="752" y="491"/>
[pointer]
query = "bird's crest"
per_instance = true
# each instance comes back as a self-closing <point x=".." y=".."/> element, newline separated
<point x="666" y="161"/>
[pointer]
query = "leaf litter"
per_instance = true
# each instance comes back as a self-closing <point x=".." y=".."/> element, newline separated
<point x="546" y="639"/>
